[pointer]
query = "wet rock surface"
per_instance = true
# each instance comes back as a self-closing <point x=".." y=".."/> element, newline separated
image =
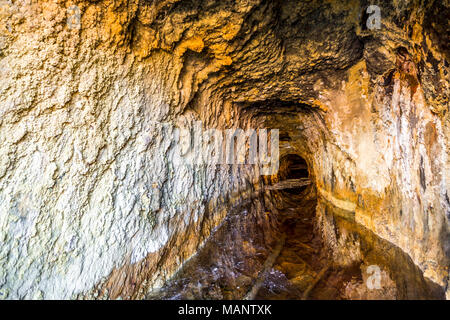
<point x="228" y="264"/>
<point x="351" y="264"/>
<point x="92" y="204"/>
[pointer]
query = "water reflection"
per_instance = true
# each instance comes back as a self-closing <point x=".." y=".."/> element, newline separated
<point x="326" y="255"/>
<point x="386" y="271"/>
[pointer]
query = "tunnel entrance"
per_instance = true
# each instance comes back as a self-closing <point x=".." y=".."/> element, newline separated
<point x="292" y="177"/>
<point x="294" y="169"/>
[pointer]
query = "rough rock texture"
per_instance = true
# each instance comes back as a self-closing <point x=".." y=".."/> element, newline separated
<point x="91" y="203"/>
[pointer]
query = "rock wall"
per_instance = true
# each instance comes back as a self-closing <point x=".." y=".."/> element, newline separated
<point x="91" y="204"/>
<point x="377" y="141"/>
<point x="88" y="183"/>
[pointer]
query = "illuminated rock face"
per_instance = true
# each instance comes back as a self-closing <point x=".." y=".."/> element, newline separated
<point x="91" y="204"/>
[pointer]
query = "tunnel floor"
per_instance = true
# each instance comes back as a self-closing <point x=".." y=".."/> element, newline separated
<point x="301" y="265"/>
<point x="231" y="263"/>
<point x="273" y="252"/>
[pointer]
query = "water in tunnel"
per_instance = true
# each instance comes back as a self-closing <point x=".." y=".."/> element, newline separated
<point x="290" y="243"/>
<point x="107" y="192"/>
<point x="293" y="173"/>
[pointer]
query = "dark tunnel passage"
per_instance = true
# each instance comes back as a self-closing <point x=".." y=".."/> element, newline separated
<point x="273" y="247"/>
<point x="286" y="241"/>
<point x="295" y="169"/>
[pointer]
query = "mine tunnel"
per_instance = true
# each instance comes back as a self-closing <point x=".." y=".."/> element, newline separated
<point x="290" y="242"/>
<point x="296" y="167"/>
<point x="118" y="180"/>
<point x="293" y="174"/>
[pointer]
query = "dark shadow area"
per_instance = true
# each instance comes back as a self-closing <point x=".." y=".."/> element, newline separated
<point x="292" y="168"/>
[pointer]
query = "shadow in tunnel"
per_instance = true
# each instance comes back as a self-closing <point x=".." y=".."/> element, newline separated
<point x="293" y="168"/>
